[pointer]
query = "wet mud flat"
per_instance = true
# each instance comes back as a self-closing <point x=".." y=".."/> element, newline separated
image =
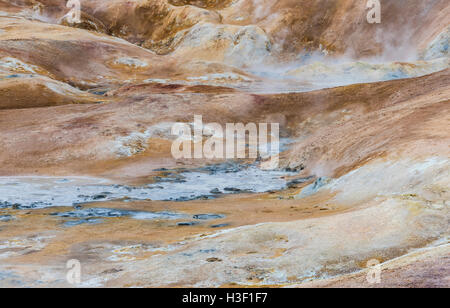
<point x="172" y="185"/>
<point x="51" y="219"/>
<point x="78" y="201"/>
<point x="105" y="236"/>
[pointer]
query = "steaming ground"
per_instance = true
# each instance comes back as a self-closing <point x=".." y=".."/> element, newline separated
<point x="244" y="46"/>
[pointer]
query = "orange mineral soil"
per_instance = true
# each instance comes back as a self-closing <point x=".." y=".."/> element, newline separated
<point x="365" y="108"/>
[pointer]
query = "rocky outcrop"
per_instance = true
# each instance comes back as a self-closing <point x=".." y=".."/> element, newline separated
<point x="286" y="29"/>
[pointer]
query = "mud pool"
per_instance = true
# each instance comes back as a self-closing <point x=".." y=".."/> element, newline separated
<point x="203" y="183"/>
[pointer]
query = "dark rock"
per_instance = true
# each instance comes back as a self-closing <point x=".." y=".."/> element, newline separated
<point x="193" y="197"/>
<point x="170" y="179"/>
<point x="207" y="250"/>
<point x="111" y="271"/>
<point x="99" y="93"/>
<point x="220" y="226"/>
<point x="295" y="182"/>
<point x="236" y="190"/>
<point x="295" y="169"/>
<point x="187" y="224"/>
<point x="99" y="197"/>
<point x="232" y="189"/>
<point x="205" y="197"/>
<point x="208" y="216"/>
<point x="227" y="167"/>
<point x="161" y="169"/>
<point x="181" y="199"/>
<point x="93" y="212"/>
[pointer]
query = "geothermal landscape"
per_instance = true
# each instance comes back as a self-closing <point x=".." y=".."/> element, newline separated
<point x="87" y="172"/>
